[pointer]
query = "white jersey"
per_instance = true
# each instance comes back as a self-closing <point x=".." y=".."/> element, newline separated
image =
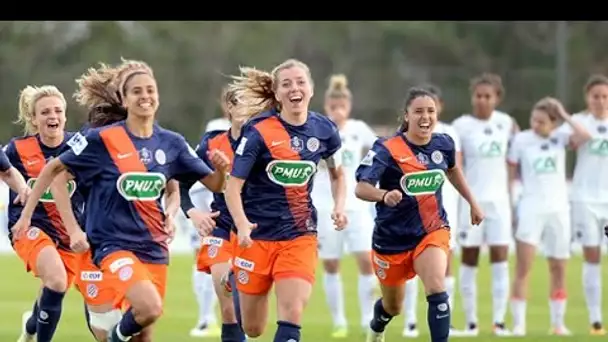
<point x="484" y="150"/>
<point x="449" y="194"/>
<point x="4" y="198"/>
<point x="219" y="124"/>
<point x="590" y="183"/>
<point x="356" y="136"/>
<point x="542" y="163"/>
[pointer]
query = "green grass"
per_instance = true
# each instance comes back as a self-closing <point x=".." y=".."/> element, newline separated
<point x="18" y="288"/>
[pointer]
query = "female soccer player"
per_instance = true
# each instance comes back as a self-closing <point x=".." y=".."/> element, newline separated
<point x="540" y="155"/>
<point x="45" y="245"/>
<point x="412" y="233"/>
<point x="214" y="227"/>
<point x="450" y="198"/>
<point x="357" y="138"/>
<point x="484" y="137"/>
<point x="277" y="156"/>
<point x="126" y="166"/>
<point x="589" y="193"/>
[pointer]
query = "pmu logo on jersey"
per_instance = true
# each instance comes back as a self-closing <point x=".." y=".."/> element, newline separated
<point x="598" y="147"/>
<point x="544" y="165"/>
<point x="141" y="186"/>
<point x="47" y="196"/>
<point x="91" y="276"/>
<point x="491" y="149"/>
<point x="423" y="182"/>
<point x="289" y="173"/>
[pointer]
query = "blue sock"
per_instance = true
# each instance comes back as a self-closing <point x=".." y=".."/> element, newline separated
<point x="235" y="299"/>
<point x="30" y="325"/>
<point x="87" y="317"/>
<point x="49" y="313"/>
<point x="287" y="332"/>
<point x="439" y="316"/>
<point x="231" y="332"/>
<point x="127" y="327"/>
<point x="381" y="317"/>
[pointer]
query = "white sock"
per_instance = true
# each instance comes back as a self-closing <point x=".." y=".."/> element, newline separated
<point x="410" y="301"/>
<point x="205" y="296"/>
<point x="449" y="283"/>
<point x="500" y="290"/>
<point x="365" y="288"/>
<point x="557" y="309"/>
<point x="468" y="292"/>
<point x="518" y="309"/>
<point x="592" y="283"/>
<point x="332" y="283"/>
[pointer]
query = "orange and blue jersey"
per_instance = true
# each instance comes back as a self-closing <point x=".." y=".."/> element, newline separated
<point x="29" y="155"/>
<point x="278" y="162"/>
<point x="126" y="178"/>
<point x="5" y="164"/>
<point x="418" y="172"/>
<point x="213" y="140"/>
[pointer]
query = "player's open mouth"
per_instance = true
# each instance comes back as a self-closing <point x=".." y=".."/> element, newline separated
<point x="145" y="105"/>
<point x="425" y="127"/>
<point x="53" y="126"/>
<point x="295" y="99"/>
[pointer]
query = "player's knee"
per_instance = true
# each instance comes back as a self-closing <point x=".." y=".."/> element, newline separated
<point x="434" y="283"/>
<point x="227" y="310"/>
<point x="392" y="306"/>
<point x="291" y="310"/>
<point x="56" y="281"/>
<point x="253" y="330"/>
<point x="149" y="310"/>
<point x="331" y="266"/>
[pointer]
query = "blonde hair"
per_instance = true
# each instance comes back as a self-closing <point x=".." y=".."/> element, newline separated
<point x="28" y="98"/>
<point x="552" y="106"/>
<point x="255" y="89"/>
<point x="338" y="88"/>
<point x="101" y="90"/>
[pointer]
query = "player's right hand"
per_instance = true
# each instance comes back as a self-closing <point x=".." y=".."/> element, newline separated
<point x="21" y="227"/>
<point x="22" y="196"/>
<point x="244" y="235"/>
<point x="392" y="198"/>
<point x="203" y="221"/>
<point x="477" y="214"/>
<point x="78" y="241"/>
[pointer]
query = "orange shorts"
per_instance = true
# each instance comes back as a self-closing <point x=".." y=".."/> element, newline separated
<point x="257" y="267"/>
<point x="214" y="250"/>
<point x="91" y="283"/>
<point x="122" y="269"/>
<point x="34" y="240"/>
<point x="395" y="269"/>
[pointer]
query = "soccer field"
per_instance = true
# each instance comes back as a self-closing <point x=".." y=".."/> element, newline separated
<point x="17" y="291"/>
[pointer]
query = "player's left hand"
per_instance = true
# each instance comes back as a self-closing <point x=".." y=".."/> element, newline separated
<point x="21" y="227"/>
<point x="340" y="220"/>
<point x="22" y="196"/>
<point x="169" y="227"/>
<point x="477" y="214"/>
<point x="78" y="241"/>
<point x="219" y="160"/>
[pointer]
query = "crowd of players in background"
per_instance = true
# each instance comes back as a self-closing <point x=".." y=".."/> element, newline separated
<point x="123" y="164"/>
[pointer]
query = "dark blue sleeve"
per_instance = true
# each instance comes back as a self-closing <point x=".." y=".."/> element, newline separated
<point x="202" y="148"/>
<point x="334" y="142"/>
<point x="249" y="148"/>
<point x="184" y="195"/>
<point x="82" y="159"/>
<point x="450" y="151"/>
<point x="5" y="164"/>
<point x="188" y="167"/>
<point x="374" y="164"/>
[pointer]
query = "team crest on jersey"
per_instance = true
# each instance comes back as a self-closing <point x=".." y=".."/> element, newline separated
<point x="33" y="233"/>
<point x="212" y="251"/>
<point x="92" y="290"/>
<point x="312" y="144"/>
<point x="145" y="156"/>
<point x="601" y="129"/>
<point x="544" y="147"/>
<point x="422" y="158"/>
<point x="381" y="273"/>
<point x="297" y="144"/>
<point x="554" y="141"/>
<point x="242" y="277"/>
<point x="125" y="273"/>
<point x="160" y="156"/>
<point x="488" y="131"/>
<point x="437" y="157"/>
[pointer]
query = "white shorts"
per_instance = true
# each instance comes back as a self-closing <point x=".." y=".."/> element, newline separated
<point x="495" y="230"/>
<point x="588" y="222"/>
<point x="551" y="228"/>
<point x="357" y="237"/>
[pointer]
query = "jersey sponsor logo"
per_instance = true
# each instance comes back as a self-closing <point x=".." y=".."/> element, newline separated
<point x="491" y="149"/>
<point x="118" y="263"/>
<point x="241" y="148"/>
<point x="47" y="196"/>
<point x="297" y="144"/>
<point x="544" y="165"/>
<point x="78" y="143"/>
<point x="91" y="276"/>
<point x="598" y="147"/>
<point x="244" y="264"/>
<point x="423" y="182"/>
<point x="213" y="241"/>
<point x="141" y="186"/>
<point x="289" y="173"/>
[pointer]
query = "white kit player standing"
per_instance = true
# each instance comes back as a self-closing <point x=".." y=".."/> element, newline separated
<point x="589" y="192"/>
<point x="357" y="138"/>
<point x="539" y="156"/>
<point x="202" y="283"/>
<point x="450" y="198"/>
<point x="484" y="137"/>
